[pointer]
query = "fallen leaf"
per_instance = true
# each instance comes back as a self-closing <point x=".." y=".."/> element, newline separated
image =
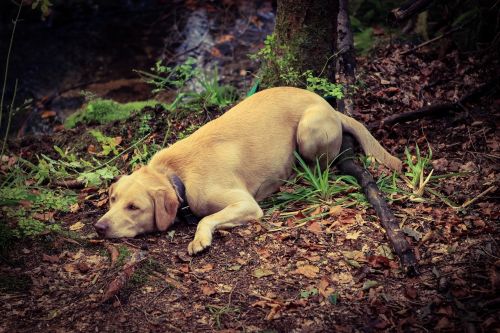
<point x="335" y="210"/>
<point x="308" y="271"/>
<point x="70" y="268"/>
<point x="208" y="290"/>
<point x="261" y="272"/>
<point x="353" y="235"/>
<point x="74" y="208"/>
<point x="205" y="268"/>
<point x="234" y="268"/>
<point x="47" y="216"/>
<point x="369" y="284"/>
<point x="410" y="292"/>
<point x="76" y="226"/>
<point x="385" y="251"/>
<point x="52" y="259"/>
<point x="83" y="267"/>
<point x="113" y="253"/>
<point x="48" y="114"/>
<point x="342" y="278"/>
<point x="412" y="233"/>
<point x="314" y="227"/>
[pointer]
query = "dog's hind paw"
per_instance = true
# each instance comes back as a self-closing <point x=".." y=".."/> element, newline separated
<point x="199" y="243"/>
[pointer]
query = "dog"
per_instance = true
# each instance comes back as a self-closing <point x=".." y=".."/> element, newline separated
<point x="224" y="168"/>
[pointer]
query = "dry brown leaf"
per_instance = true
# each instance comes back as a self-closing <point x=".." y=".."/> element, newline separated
<point x="52" y="259"/>
<point x="308" y="271"/>
<point x="205" y="268"/>
<point x="342" y="277"/>
<point x="335" y="210"/>
<point x="353" y="235"/>
<point x="314" y="227"/>
<point x="76" y="226"/>
<point x="208" y="290"/>
<point x="113" y="253"/>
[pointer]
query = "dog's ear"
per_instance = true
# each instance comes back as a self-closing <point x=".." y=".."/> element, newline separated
<point x="165" y="209"/>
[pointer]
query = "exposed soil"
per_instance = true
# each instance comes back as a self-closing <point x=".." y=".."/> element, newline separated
<point x="330" y="274"/>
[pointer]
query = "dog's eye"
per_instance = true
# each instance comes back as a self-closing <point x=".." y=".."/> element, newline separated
<point x="112" y="199"/>
<point x="131" y="206"/>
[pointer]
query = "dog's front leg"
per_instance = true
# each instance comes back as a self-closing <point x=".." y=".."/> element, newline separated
<point x="233" y="215"/>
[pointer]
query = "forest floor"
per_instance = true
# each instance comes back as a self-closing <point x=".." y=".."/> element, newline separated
<point x="332" y="273"/>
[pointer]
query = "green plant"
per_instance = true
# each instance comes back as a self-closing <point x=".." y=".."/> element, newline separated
<point x="212" y="94"/>
<point x="144" y="127"/>
<point x="123" y="254"/>
<point x="279" y="61"/>
<point x="415" y="177"/>
<point x="218" y="311"/>
<point x="164" y="78"/>
<point x="322" y="86"/>
<point x="103" y="111"/>
<point x="142" y="156"/>
<point x="109" y="144"/>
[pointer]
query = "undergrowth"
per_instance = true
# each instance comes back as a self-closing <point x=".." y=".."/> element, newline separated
<point x="314" y="186"/>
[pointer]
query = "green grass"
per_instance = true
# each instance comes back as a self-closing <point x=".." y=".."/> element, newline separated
<point x="103" y="111"/>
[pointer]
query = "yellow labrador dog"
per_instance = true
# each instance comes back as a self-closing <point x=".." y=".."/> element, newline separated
<point x="230" y="163"/>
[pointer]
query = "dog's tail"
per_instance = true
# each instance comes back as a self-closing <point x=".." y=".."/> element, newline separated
<point x="369" y="144"/>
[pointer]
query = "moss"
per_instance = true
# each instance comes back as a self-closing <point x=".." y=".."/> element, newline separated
<point x="102" y="111"/>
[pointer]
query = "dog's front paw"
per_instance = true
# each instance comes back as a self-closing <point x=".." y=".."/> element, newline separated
<point x="201" y="241"/>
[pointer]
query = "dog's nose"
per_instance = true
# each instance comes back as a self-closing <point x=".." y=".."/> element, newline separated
<point x="101" y="227"/>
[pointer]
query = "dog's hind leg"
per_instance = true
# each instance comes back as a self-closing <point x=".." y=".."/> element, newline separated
<point x="319" y="135"/>
<point x="241" y="207"/>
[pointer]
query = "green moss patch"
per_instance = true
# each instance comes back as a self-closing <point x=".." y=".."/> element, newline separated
<point x="103" y="111"/>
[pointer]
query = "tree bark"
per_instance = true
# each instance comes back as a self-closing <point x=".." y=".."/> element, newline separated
<point x="305" y="32"/>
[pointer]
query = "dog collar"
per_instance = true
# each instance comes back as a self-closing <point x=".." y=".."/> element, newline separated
<point x="183" y="212"/>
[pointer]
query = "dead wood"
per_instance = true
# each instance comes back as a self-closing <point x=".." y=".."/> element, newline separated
<point x="409" y="9"/>
<point x="440" y="109"/>
<point x="387" y="219"/>
<point x="346" y="66"/>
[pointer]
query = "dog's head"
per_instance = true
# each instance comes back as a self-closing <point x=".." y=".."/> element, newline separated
<point x="141" y="202"/>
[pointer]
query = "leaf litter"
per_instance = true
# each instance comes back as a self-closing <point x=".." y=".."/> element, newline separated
<point x="330" y="273"/>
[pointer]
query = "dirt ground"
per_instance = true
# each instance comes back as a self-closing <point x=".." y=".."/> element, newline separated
<point x="331" y="274"/>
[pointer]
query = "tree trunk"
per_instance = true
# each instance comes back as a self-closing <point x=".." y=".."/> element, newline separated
<point x="305" y="36"/>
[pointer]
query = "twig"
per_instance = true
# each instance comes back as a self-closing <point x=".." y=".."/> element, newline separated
<point x="7" y="61"/>
<point x="471" y="201"/>
<point x="11" y="111"/>
<point x="432" y="40"/>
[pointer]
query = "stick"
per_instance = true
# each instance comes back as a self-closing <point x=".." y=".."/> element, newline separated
<point x="348" y="165"/>
<point x="431" y="40"/>
<point x="440" y="109"/>
<point x="408" y="9"/>
<point x="387" y="219"/>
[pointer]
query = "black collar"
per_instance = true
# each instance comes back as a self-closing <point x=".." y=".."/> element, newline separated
<point x="184" y="213"/>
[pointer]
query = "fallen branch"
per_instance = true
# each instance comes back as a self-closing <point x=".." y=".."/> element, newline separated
<point x="409" y="9"/>
<point x="346" y="67"/>
<point x="69" y="183"/>
<point x="431" y="40"/>
<point x="123" y="276"/>
<point x="439" y="109"/>
<point x="387" y="219"/>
